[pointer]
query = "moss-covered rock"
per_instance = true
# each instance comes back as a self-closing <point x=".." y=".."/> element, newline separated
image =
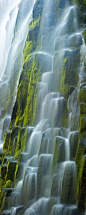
<point x="82" y="96"/>
<point x="73" y="140"/>
<point x="82" y="109"/>
<point x="81" y="191"/>
<point x="3" y="171"/>
<point x="11" y="170"/>
<point x="81" y="150"/>
<point x="82" y="124"/>
<point x="59" y="152"/>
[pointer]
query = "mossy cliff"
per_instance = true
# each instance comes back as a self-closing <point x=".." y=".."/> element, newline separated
<point x="39" y="50"/>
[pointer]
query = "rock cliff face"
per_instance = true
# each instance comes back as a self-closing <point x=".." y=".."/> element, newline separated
<point x="53" y="58"/>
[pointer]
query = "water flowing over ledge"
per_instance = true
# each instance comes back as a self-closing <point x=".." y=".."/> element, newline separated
<point x="43" y="100"/>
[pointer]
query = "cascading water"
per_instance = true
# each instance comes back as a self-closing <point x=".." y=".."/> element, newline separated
<point x="48" y="183"/>
<point x="14" y="24"/>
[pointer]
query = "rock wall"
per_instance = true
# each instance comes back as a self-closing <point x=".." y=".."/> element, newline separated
<point x="69" y="80"/>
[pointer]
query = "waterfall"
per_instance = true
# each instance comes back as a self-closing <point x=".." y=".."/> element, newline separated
<point x="13" y="27"/>
<point x="48" y="179"/>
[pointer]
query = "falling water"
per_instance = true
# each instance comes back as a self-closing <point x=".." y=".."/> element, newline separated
<point x="11" y="53"/>
<point x="43" y="183"/>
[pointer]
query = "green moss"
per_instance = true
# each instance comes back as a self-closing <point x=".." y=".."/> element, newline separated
<point x="63" y="85"/>
<point x="15" y="174"/>
<point x="82" y="126"/>
<point x="82" y="109"/>
<point x="27" y="51"/>
<point x="3" y="171"/>
<point x="21" y="142"/>
<point x="8" y="184"/>
<point x="65" y="117"/>
<point x="11" y="167"/>
<point x="81" y="188"/>
<point x="81" y="149"/>
<point x="31" y="104"/>
<point x="34" y="23"/>
<point x="1" y="198"/>
<point x="82" y="96"/>
<point x="59" y="152"/>
<point x="11" y="145"/>
<point x="85" y="36"/>
<point x="6" y="141"/>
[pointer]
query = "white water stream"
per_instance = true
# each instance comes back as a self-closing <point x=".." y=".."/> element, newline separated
<point x="13" y="32"/>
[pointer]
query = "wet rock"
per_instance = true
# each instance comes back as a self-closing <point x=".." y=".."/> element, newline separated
<point x="15" y="199"/>
<point x="11" y="170"/>
<point x="33" y="33"/>
<point x="28" y="188"/>
<point x="19" y="209"/>
<point x="69" y="183"/>
<point x="75" y="40"/>
<point x="75" y="120"/>
<point x="80" y="151"/>
<point x="6" y="123"/>
<point x="9" y="138"/>
<point x="44" y="143"/>
<point x="20" y="170"/>
<point x="82" y="108"/>
<point x="52" y="201"/>
<point x="3" y="171"/>
<point x="58" y="209"/>
<point x="73" y="104"/>
<point x="8" y="191"/>
<point x="43" y="175"/>
<point x="83" y="142"/>
<point x="64" y="132"/>
<point x="37" y="11"/>
<point x="82" y="124"/>
<point x="30" y="211"/>
<point x="56" y="186"/>
<point x="73" y="139"/>
<point x="70" y="210"/>
<point x="23" y="157"/>
<point x="1" y="156"/>
<point x="59" y="151"/>
<point x="82" y="185"/>
<point x="82" y="96"/>
<point x="6" y="159"/>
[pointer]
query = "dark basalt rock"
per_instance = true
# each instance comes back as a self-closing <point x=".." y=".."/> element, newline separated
<point x="69" y="184"/>
<point x="3" y="171"/>
<point x="82" y="185"/>
<point x="59" y="151"/>
<point x="8" y="191"/>
<point x="73" y="139"/>
<point x="82" y="96"/>
<point x="19" y="209"/>
<point x="11" y="170"/>
<point x="70" y="210"/>
<point x="83" y="142"/>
